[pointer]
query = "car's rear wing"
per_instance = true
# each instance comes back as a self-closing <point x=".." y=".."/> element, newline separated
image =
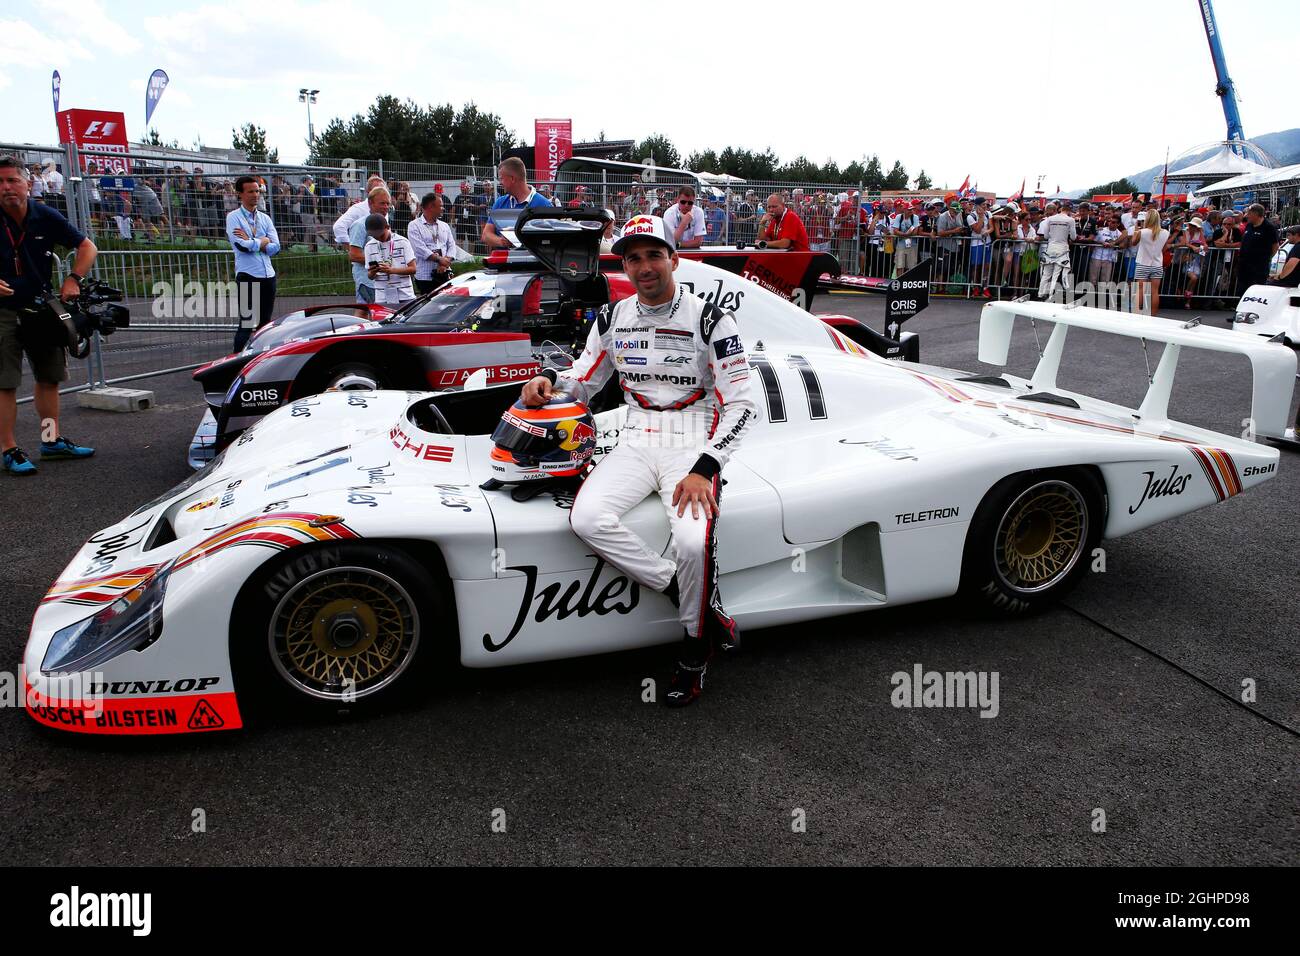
<point x="1272" y="364"/>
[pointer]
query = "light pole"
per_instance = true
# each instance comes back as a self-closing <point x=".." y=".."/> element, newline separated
<point x="309" y="97"/>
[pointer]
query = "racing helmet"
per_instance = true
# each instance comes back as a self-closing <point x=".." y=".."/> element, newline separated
<point x="556" y="440"/>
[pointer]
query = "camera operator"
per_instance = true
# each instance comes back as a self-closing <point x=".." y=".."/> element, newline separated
<point x="29" y="231"/>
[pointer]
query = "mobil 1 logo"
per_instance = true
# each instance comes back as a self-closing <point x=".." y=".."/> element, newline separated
<point x="906" y="296"/>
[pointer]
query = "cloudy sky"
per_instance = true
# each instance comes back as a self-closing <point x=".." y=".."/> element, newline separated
<point x="1002" y="89"/>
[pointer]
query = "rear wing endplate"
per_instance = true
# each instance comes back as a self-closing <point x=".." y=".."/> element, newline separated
<point x="1273" y="365"/>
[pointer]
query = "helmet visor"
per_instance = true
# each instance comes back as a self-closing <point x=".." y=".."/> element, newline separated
<point x="522" y="437"/>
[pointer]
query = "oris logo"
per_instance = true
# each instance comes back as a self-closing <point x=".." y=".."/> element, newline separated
<point x="259" y="395"/>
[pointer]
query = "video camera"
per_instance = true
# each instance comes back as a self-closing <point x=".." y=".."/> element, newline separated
<point x="49" y="321"/>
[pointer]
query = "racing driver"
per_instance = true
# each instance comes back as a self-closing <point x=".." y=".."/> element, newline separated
<point x="685" y="379"/>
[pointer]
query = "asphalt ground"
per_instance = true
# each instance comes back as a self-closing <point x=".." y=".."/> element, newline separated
<point x="1125" y="700"/>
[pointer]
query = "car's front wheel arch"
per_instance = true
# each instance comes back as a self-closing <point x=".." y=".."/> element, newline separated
<point x="302" y="621"/>
<point x="1033" y="537"/>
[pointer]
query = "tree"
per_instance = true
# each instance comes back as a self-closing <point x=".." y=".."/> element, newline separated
<point x="404" y="131"/>
<point x="897" y="178"/>
<point x="873" y="177"/>
<point x="706" y="162"/>
<point x="154" y="139"/>
<point x="251" y="139"/>
<point x="1117" y="188"/>
<point x="923" y="181"/>
<point x="660" y="148"/>
<point x="799" y="170"/>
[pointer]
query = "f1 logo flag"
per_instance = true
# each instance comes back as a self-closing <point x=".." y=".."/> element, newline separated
<point x="553" y="144"/>
<point x="154" y="92"/>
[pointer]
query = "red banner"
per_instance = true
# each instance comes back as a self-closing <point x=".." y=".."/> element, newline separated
<point x="100" y="137"/>
<point x="553" y="144"/>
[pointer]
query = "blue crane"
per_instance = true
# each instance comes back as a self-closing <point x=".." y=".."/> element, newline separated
<point x="1225" y="89"/>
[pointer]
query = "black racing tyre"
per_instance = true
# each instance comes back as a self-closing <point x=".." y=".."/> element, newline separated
<point x="1031" y="540"/>
<point x="354" y="375"/>
<point x="339" y="627"/>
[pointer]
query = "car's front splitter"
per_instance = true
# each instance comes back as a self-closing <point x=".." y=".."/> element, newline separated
<point x="133" y="715"/>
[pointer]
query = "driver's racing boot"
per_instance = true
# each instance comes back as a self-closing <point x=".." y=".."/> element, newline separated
<point x="686" y="682"/>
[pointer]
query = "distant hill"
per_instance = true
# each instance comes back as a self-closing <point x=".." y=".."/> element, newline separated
<point x="1283" y="147"/>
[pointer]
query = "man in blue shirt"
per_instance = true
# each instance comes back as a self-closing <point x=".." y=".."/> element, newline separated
<point x="253" y="237"/>
<point x="29" y="232"/>
<point x="379" y="202"/>
<point x="515" y="194"/>
<point x="715" y="219"/>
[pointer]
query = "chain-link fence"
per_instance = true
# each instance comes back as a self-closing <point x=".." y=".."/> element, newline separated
<point x="161" y="229"/>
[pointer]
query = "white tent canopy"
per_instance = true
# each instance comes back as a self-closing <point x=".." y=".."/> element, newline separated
<point x="1221" y="165"/>
<point x="1266" y="178"/>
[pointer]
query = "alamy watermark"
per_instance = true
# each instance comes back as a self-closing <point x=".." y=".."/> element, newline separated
<point x="191" y="299"/>
<point x="953" y="689"/>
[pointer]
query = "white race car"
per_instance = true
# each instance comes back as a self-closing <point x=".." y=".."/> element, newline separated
<point x="343" y="545"/>
<point x="1269" y="311"/>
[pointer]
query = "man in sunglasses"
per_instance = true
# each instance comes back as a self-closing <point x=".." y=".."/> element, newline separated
<point x="685" y="220"/>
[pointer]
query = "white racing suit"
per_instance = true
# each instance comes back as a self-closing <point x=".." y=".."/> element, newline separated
<point x="685" y="378"/>
<point x="1058" y="230"/>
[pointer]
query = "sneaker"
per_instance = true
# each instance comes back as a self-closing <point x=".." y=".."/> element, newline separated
<point x="63" y="447"/>
<point x="17" y="463"/>
<point x="987" y="293"/>
<point x="686" y="683"/>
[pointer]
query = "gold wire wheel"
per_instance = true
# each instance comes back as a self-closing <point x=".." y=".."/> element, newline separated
<point x="1041" y="536"/>
<point x="344" y="633"/>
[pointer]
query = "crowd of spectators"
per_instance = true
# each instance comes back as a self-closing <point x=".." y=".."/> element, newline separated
<point x="987" y="245"/>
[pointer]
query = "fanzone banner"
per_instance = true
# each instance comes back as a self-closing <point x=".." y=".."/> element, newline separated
<point x="553" y="145"/>
<point x="153" y="93"/>
<point x="100" y="138"/>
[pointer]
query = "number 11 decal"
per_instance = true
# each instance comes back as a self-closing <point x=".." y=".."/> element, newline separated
<point x="812" y="387"/>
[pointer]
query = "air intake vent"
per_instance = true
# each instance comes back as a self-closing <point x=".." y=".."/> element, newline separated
<point x="860" y="561"/>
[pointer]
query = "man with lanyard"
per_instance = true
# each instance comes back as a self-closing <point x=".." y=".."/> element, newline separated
<point x="685" y="378"/>
<point x="390" y="262"/>
<point x="781" y="228"/>
<point x="30" y="232"/>
<point x="515" y="194"/>
<point x="432" y="243"/>
<point x="1059" y="230"/>
<point x="380" y="201"/>
<point x="253" y="237"/>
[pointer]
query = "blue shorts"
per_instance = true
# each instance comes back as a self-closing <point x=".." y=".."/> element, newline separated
<point x="979" y="254"/>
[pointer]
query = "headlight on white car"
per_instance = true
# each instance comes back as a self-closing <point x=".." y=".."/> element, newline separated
<point x="132" y="622"/>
